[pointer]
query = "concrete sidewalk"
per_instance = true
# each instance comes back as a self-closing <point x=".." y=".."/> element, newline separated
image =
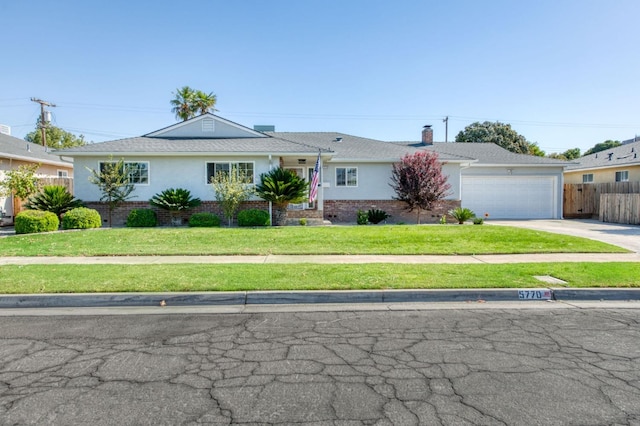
<point x="325" y="259"/>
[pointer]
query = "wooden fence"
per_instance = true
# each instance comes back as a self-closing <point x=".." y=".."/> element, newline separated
<point x="66" y="182"/>
<point x="620" y="208"/>
<point x="582" y="200"/>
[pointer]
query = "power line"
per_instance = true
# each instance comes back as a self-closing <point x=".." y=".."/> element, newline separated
<point x="43" y="118"/>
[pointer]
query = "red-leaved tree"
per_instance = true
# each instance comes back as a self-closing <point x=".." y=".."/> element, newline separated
<point x="418" y="181"/>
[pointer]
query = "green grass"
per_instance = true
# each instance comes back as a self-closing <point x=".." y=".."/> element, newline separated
<point x="407" y="240"/>
<point x="190" y="277"/>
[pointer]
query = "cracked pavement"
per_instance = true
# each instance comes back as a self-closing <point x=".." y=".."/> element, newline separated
<point x="429" y="367"/>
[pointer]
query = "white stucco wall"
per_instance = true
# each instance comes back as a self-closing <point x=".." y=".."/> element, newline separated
<point x="164" y="172"/>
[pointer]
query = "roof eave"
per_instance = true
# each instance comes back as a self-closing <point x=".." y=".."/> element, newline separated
<point x="37" y="160"/>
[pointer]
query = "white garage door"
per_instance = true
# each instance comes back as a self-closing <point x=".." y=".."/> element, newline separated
<point x="510" y="197"/>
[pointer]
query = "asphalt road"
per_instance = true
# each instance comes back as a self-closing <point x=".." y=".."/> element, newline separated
<point x="473" y="365"/>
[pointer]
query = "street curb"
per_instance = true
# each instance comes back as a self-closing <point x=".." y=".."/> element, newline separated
<point x="88" y="300"/>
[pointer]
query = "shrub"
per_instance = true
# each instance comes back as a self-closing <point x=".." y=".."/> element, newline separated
<point x="362" y="217"/>
<point x="81" y="218"/>
<point x="142" y="218"/>
<point x="478" y="221"/>
<point x="377" y="216"/>
<point x="443" y="219"/>
<point x="462" y="214"/>
<point x="253" y="217"/>
<point x="303" y="221"/>
<point x="55" y="199"/>
<point x="31" y="221"/>
<point x="204" y="220"/>
<point x="175" y="201"/>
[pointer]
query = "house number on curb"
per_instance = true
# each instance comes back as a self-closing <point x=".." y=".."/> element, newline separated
<point x="535" y="294"/>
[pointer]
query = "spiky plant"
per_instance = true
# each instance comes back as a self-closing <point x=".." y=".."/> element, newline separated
<point x="462" y="214"/>
<point x="175" y="201"/>
<point x="281" y="187"/>
<point x="55" y="199"/>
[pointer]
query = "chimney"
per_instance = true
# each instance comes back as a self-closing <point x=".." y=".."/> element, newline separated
<point x="427" y="135"/>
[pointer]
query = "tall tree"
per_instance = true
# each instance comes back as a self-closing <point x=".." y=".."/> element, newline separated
<point x="570" y="154"/>
<point x="602" y="146"/>
<point x="189" y="102"/>
<point x="57" y="138"/>
<point x="501" y="134"/>
<point x="113" y="181"/>
<point x="418" y="181"/>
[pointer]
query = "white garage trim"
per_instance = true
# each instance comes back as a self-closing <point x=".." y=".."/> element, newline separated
<point x="511" y="197"/>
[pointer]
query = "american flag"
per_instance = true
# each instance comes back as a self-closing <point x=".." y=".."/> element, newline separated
<point x="313" y="190"/>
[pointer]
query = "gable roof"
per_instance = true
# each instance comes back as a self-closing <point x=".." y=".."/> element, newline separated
<point x="620" y="156"/>
<point x="488" y="154"/>
<point x="19" y="149"/>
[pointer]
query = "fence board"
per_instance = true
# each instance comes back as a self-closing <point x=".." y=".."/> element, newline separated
<point x="66" y="182"/>
<point x="582" y="200"/>
<point x="620" y="208"/>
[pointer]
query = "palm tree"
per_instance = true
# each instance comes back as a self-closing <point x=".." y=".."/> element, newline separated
<point x="282" y="187"/>
<point x="204" y="102"/>
<point x="183" y="103"/>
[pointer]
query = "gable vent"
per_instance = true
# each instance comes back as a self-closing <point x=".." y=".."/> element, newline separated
<point x="208" y="125"/>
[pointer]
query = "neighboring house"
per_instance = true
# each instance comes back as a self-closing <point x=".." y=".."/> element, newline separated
<point x="15" y="152"/>
<point x="355" y="172"/>
<point x="619" y="164"/>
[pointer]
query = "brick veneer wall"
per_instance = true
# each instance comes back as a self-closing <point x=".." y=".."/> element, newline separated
<point x="121" y="212"/>
<point x="345" y="211"/>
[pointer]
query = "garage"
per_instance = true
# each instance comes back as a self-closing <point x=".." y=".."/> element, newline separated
<point x="510" y="197"/>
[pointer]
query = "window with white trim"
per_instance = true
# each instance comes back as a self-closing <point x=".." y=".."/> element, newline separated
<point x="63" y="174"/>
<point x="587" y="178"/>
<point x="347" y="176"/>
<point x="137" y="171"/>
<point x="244" y="168"/>
<point x="622" y="176"/>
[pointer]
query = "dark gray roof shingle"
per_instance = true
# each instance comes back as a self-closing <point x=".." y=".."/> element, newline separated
<point x="12" y="147"/>
<point x="623" y="155"/>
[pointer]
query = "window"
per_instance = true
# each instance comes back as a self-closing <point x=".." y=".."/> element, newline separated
<point x="587" y="178"/>
<point x="63" y="174"/>
<point x="138" y="172"/>
<point x="245" y="168"/>
<point x="346" y="176"/>
<point x="622" y="176"/>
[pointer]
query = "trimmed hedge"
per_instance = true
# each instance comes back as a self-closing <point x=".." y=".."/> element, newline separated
<point x="81" y="218"/>
<point x="32" y="221"/>
<point x="253" y="217"/>
<point x="142" y="218"/>
<point x="204" y="220"/>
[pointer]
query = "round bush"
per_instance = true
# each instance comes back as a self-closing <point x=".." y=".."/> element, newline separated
<point x="142" y="218"/>
<point x="204" y="220"/>
<point x="81" y="218"/>
<point x="253" y="217"/>
<point x="30" y="221"/>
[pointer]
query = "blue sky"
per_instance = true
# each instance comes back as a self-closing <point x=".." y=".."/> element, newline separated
<point x="563" y="73"/>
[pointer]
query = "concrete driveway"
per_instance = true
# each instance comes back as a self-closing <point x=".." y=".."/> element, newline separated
<point x="627" y="236"/>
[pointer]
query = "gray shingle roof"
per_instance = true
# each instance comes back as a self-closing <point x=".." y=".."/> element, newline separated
<point x="158" y="145"/>
<point x="348" y="147"/>
<point x="623" y="155"/>
<point x="12" y="147"/>
<point x="488" y="154"/>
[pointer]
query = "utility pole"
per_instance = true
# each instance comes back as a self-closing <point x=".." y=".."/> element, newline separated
<point x="446" y="128"/>
<point x="43" y="119"/>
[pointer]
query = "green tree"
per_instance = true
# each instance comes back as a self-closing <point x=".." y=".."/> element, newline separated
<point x="113" y="181"/>
<point x="281" y="187"/>
<point x="501" y="134"/>
<point x="602" y="146"/>
<point x="570" y="154"/>
<point x="21" y="182"/>
<point x="57" y="138"/>
<point x="188" y="102"/>
<point x="418" y="181"/>
<point x="231" y="190"/>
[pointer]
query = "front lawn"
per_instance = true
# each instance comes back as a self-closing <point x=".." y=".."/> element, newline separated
<point x="391" y="239"/>
<point x="237" y="277"/>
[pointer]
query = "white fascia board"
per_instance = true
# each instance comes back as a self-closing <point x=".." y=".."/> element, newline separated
<point x="37" y="160"/>
<point x="195" y="154"/>
<point x="392" y="160"/>
<point x="520" y="165"/>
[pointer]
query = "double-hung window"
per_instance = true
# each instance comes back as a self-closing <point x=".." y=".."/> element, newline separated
<point x="622" y="176"/>
<point x="137" y="171"/>
<point x="347" y="176"/>
<point x="587" y="178"/>
<point x="245" y="169"/>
